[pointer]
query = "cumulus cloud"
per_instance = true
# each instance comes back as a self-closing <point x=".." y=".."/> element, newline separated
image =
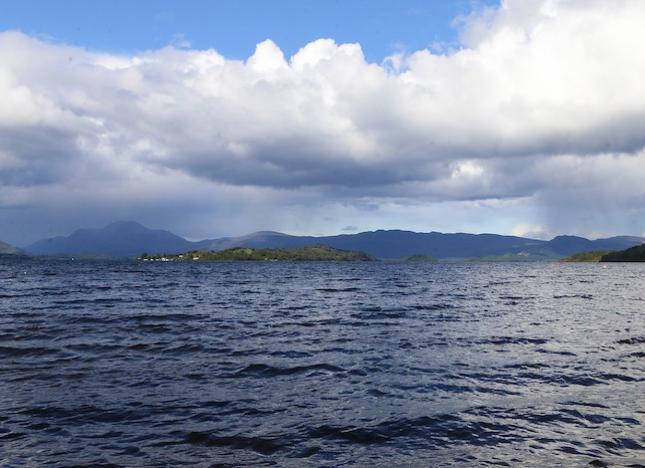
<point x="544" y="101"/>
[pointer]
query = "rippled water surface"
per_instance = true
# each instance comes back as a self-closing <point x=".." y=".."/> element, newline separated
<point x="298" y="364"/>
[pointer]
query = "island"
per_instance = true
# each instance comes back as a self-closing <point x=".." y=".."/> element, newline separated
<point x="313" y="253"/>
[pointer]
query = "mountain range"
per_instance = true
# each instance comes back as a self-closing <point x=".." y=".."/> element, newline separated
<point x="129" y="239"/>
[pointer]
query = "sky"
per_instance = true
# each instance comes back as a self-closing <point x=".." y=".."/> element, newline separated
<point x="215" y="118"/>
<point x="235" y="27"/>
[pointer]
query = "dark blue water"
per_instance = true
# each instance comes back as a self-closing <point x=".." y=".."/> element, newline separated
<point x="297" y="364"/>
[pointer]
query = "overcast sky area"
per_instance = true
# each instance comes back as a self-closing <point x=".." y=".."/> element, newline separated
<point x="221" y="118"/>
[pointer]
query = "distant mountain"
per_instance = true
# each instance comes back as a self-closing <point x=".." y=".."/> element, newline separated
<point x="258" y="239"/>
<point x="570" y="245"/>
<point x="6" y="249"/>
<point x="400" y="244"/>
<point x="387" y="244"/>
<point x="129" y="239"/>
<point x="120" y="239"/>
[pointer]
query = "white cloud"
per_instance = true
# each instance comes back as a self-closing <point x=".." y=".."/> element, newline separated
<point x="545" y="101"/>
<point x="532" y="231"/>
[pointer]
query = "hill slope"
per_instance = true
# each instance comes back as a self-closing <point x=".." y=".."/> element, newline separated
<point x="586" y="257"/>
<point x="633" y="254"/>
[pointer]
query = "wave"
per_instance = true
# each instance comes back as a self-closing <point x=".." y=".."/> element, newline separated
<point x="265" y="370"/>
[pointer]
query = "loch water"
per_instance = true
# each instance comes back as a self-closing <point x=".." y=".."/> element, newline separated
<point x="106" y="363"/>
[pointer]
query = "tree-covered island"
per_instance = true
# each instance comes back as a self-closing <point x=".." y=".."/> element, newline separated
<point x="314" y="253"/>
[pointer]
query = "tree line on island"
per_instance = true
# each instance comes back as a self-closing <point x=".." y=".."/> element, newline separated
<point x="308" y="253"/>
<point x="311" y="253"/>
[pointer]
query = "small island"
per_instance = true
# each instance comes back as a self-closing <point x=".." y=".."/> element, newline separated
<point x="314" y="253"/>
